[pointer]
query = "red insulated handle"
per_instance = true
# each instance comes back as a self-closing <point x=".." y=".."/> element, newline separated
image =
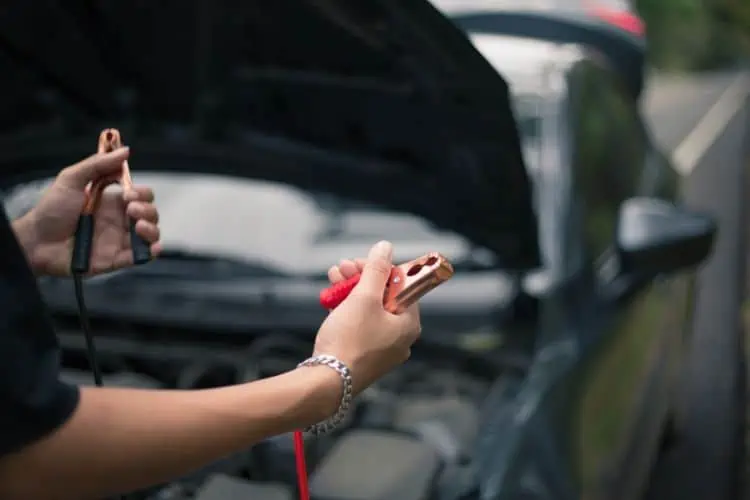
<point x="334" y="295"/>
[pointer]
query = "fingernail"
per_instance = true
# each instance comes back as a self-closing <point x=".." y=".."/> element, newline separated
<point x="382" y="250"/>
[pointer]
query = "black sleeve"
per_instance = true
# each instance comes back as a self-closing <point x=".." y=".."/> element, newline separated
<point x="33" y="401"/>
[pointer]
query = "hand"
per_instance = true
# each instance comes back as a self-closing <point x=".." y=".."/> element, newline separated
<point x="360" y="332"/>
<point x="53" y="221"/>
<point x="346" y="269"/>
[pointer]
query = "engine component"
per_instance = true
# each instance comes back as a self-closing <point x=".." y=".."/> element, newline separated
<point x="172" y="491"/>
<point x="410" y="436"/>
<point x="275" y="459"/>
<point x="449" y="425"/>
<point x="375" y="465"/>
<point x="457" y="482"/>
<point x="122" y="379"/>
<point x="229" y="466"/>
<point x="221" y="487"/>
<point x="379" y="408"/>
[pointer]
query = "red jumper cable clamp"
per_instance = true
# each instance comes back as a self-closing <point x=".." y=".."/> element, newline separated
<point x="408" y="283"/>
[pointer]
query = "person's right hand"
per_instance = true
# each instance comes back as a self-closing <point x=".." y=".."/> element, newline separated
<point x="361" y="333"/>
<point x="53" y="221"/>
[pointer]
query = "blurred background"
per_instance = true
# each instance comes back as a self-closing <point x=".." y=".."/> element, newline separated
<point x="685" y="35"/>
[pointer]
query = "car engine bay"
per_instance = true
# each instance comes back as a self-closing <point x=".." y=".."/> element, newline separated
<point x="409" y="437"/>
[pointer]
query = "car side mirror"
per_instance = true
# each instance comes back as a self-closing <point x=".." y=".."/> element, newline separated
<point x="656" y="237"/>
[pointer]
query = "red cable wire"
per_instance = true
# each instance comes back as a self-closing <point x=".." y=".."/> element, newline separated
<point x="329" y="299"/>
<point x="299" y="454"/>
<point x="334" y="295"/>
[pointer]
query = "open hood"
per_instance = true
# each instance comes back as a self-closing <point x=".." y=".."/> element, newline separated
<point x="384" y="100"/>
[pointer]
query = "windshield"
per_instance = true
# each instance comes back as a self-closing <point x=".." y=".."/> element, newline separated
<point x="465" y="6"/>
<point x="459" y="6"/>
<point x="528" y="109"/>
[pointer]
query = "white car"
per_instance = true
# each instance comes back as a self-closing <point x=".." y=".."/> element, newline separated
<point x="610" y="27"/>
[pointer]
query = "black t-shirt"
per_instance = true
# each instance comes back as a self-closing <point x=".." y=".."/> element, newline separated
<point x="33" y="400"/>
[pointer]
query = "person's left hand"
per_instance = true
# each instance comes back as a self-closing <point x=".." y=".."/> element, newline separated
<point x="54" y="219"/>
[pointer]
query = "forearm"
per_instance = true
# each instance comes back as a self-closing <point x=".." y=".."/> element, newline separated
<point x="120" y="440"/>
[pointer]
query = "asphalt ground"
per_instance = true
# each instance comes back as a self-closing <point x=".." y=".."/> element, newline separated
<point x="704" y="122"/>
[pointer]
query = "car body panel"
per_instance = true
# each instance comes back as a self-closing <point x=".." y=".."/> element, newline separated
<point x="602" y="383"/>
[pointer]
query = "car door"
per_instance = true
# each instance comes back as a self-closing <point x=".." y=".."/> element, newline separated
<point x="626" y="348"/>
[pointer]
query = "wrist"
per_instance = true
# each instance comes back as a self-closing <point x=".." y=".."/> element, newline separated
<point x="25" y="229"/>
<point x="325" y="390"/>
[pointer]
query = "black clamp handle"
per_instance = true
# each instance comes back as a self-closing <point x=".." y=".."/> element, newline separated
<point x="84" y="240"/>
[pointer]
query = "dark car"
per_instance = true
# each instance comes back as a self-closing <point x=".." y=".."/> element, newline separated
<point x="283" y="136"/>
<point x="611" y="27"/>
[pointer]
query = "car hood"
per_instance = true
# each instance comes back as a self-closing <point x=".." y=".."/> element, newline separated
<point x="386" y="101"/>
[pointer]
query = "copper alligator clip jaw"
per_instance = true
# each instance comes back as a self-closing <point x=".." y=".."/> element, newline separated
<point x="408" y="283"/>
<point x="109" y="140"/>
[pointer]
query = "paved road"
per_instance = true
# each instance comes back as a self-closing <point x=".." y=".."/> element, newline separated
<point x="705" y="123"/>
<point x="674" y="105"/>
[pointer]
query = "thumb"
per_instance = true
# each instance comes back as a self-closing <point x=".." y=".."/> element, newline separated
<point x="377" y="270"/>
<point x="94" y="167"/>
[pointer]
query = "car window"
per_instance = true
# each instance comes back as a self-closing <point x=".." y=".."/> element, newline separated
<point x="609" y="153"/>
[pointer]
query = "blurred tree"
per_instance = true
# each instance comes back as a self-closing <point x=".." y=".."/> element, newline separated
<point x="696" y="34"/>
<point x="732" y="33"/>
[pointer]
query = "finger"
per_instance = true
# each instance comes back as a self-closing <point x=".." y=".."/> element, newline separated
<point x="334" y="274"/>
<point x="406" y="355"/>
<point x="124" y="258"/>
<point x="147" y="230"/>
<point x="156" y="249"/>
<point x="146" y="211"/>
<point x="409" y="322"/>
<point x="139" y="193"/>
<point x="94" y="167"/>
<point x="377" y="270"/>
<point x="348" y="268"/>
<point x="360" y="263"/>
<point x="345" y="270"/>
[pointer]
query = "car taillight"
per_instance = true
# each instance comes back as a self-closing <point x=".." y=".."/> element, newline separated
<point x="622" y="19"/>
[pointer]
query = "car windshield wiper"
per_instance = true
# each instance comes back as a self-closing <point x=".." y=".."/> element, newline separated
<point x="185" y="264"/>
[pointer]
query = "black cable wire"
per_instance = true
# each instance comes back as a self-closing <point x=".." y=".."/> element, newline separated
<point x="83" y="315"/>
<point x="86" y="327"/>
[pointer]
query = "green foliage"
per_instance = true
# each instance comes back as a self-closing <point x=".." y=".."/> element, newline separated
<point x="696" y="34"/>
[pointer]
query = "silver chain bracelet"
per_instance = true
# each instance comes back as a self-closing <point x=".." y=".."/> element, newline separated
<point x="346" y="399"/>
